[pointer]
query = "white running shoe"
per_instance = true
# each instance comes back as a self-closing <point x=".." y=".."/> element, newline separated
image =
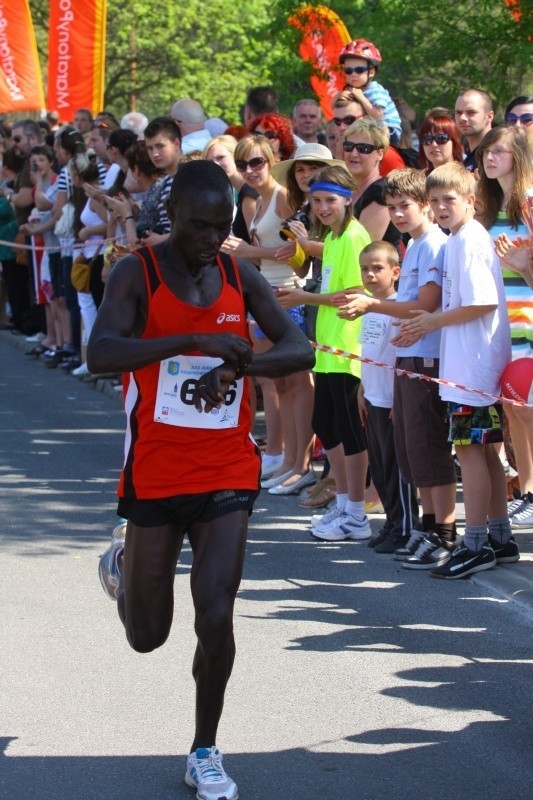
<point x="108" y="568"/>
<point x="81" y="371"/>
<point x="325" y="519"/>
<point x="206" y="774"/>
<point x="346" y="526"/>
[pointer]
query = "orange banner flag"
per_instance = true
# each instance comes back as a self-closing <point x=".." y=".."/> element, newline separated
<point x="76" y="56"/>
<point x="21" y="86"/>
<point x="323" y="37"/>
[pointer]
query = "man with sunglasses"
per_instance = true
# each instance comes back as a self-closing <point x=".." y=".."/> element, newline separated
<point x="346" y="110"/>
<point x="473" y="116"/>
<point x="174" y="318"/>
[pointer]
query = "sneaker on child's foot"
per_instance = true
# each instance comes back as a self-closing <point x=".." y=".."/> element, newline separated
<point x="517" y="503"/>
<point x="108" y="568"/>
<point x="317" y="520"/>
<point x="377" y="538"/>
<point x="465" y="562"/>
<point x="431" y="552"/>
<point x="390" y="543"/>
<point x="505" y="553"/>
<point x="409" y="549"/>
<point x="523" y="518"/>
<point x="346" y="526"/>
<point x="206" y="774"/>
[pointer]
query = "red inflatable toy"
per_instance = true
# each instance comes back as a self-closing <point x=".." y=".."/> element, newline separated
<point x="517" y="380"/>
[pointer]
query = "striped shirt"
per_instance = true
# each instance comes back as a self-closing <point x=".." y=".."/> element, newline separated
<point x="379" y="96"/>
<point x="518" y="295"/>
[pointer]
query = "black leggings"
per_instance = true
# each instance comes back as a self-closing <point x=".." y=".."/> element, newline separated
<point x="336" y="417"/>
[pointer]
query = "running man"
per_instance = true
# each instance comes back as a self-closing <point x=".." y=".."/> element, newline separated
<point x="174" y="318"/>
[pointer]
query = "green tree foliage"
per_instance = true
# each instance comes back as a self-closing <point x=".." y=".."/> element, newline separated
<point x="431" y="51"/>
<point x="157" y="53"/>
<point x="215" y="51"/>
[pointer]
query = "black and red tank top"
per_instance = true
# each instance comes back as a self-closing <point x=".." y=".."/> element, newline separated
<point x="163" y="460"/>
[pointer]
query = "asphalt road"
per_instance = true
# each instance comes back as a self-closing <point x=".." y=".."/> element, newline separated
<point x="354" y="678"/>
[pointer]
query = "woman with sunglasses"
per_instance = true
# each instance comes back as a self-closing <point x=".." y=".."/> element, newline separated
<point x="505" y="181"/>
<point x="520" y="112"/>
<point x="440" y="142"/>
<point x="278" y="131"/>
<point x="364" y="144"/>
<point x="221" y="150"/>
<point x="307" y="235"/>
<point x="286" y="459"/>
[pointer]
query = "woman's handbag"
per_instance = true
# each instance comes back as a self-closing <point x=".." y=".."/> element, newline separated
<point x="65" y="224"/>
<point x="80" y="273"/>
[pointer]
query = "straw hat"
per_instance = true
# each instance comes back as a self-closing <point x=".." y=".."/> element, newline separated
<point x="314" y="152"/>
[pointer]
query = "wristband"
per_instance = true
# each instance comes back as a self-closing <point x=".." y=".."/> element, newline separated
<point x="130" y="216"/>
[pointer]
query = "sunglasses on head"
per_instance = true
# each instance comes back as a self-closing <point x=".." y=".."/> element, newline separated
<point x="523" y="119"/>
<point x="267" y="134"/>
<point x="438" y="138"/>
<point x="355" y="70"/>
<point x="255" y="164"/>
<point x="344" y="120"/>
<point x="364" y="149"/>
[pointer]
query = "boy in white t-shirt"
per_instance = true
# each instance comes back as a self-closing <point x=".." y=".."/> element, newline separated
<point x="475" y="348"/>
<point x="420" y="435"/>
<point x="380" y="270"/>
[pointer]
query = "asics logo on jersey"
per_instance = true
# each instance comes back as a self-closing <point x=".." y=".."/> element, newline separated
<point x="228" y="318"/>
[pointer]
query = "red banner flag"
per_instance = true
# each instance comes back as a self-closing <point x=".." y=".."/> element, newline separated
<point x="323" y="37"/>
<point x="76" y="56"/>
<point x="21" y="87"/>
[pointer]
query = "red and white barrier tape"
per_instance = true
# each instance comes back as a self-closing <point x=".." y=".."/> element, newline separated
<point x="55" y="248"/>
<point x="494" y="398"/>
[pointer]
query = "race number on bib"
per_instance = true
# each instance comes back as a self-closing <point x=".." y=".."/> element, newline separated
<point x="373" y="331"/>
<point x="178" y="378"/>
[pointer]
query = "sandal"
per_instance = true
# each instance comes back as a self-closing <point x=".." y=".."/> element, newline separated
<point x="321" y="495"/>
<point x="37" y="351"/>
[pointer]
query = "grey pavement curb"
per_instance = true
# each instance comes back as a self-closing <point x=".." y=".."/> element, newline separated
<point x="103" y="385"/>
<point x="513" y="583"/>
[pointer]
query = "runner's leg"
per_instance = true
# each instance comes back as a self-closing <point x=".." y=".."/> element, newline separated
<point x="218" y="547"/>
<point x="146" y="602"/>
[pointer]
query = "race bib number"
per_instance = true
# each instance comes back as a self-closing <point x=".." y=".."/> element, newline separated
<point x="326" y="277"/>
<point x="373" y="331"/>
<point x="178" y="378"/>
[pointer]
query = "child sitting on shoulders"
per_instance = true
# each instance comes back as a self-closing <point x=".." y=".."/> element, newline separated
<point x="360" y="60"/>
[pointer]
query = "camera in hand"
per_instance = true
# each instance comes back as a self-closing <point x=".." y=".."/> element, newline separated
<point x="299" y="216"/>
